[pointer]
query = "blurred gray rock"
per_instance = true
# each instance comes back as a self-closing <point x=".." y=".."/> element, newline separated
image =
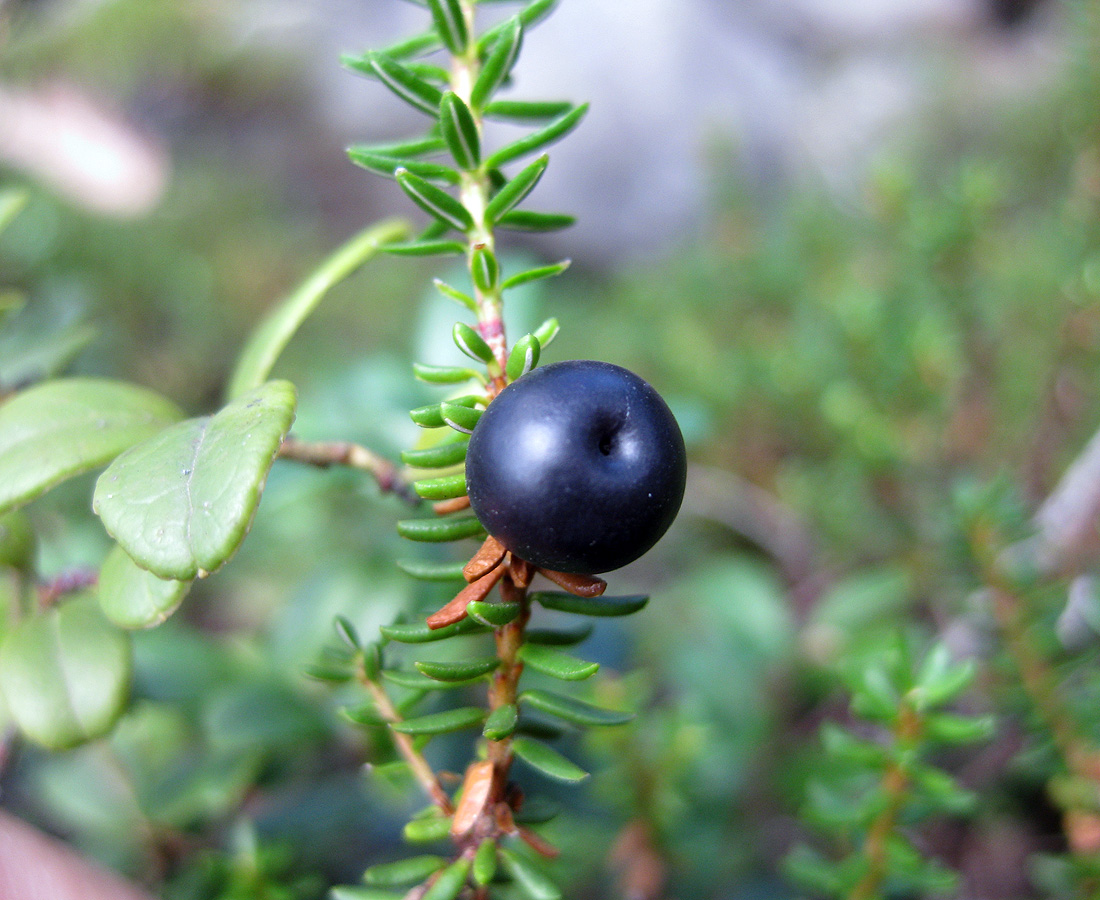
<point x="681" y="90"/>
<point x="784" y="87"/>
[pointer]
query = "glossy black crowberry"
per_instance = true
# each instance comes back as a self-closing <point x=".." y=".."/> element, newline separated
<point x="577" y="467"/>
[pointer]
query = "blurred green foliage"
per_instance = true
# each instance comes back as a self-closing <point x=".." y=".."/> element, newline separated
<point x="857" y="358"/>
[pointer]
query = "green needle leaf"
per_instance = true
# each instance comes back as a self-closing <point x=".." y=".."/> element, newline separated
<point x="431" y="416"/>
<point x="134" y="598"/>
<point x="440" y="530"/>
<point x="524" y="357"/>
<point x="450" y="24"/>
<point x="446" y="488"/>
<point x="535" y="274"/>
<point x="270" y="338"/>
<point x="420" y="146"/>
<point x="181" y="503"/>
<point x="484" y="268"/>
<point x="444" y="374"/>
<point x="455" y="294"/>
<point x="460" y="418"/>
<point x="493" y="614"/>
<point x="526" y="110"/>
<point x="531" y="880"/>
<point x="556" y="130"/>
<point x="515" y="190"/>
<point x="498" y="65"/>
<point x="347" y="892"/>
<point x="460" y="131"/>
<point x="387" y="166"/>
<point x="558" y="637"/>
<point x="547" y="331"/>
<point x="65" y="674"/>
<point x="501" y="722"/>
<point x="58" y="429"/>
<point x="535" y="12"/>
<point x="450" y="882"/>
<point x="405" y="871"/>
<point x="442" y="722"/>
<point x="434" y="201"/>
<point x="465" y="670"/>
<point x="591" y="606"/>
<point x="484" y="867"/>
<point x="471" y="343"/>
<point x="547" y="760"/>
<point x="426" y="248"/>
<point x="526" y="220"/>
<point x="438" y="457"/>
<point x="414" y="681"/>
<point x="431" y="571"/>
<point x="556" y="664"/>
<point x="400" y="79"/>
<point x="427" y="831"/>
<point x="420" y="633"/>
<point x="415" y="46"/>
<point x="572" y="710"/>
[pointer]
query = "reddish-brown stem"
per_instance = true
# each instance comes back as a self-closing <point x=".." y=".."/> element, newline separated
<point x="342" y="453"/>
<point x="419" y="767"/>
<point x="504" y="687"/>
<point x="895" y="787"/>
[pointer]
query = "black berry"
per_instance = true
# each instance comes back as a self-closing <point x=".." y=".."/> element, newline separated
<point x="577" y="467"/>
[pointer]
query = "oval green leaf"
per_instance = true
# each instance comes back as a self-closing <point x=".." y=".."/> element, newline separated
<point x="131" y="597"/>
<point x="270" y="338"/>
<point x="58" y="429"/>
<point x="181" y="503"/>
<point x="66" y="674"/>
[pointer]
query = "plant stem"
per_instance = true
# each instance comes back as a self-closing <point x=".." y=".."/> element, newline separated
<point x="474" y="190"/>
<point x="422" y="772"/>
<point x="504" y="688"/>
<point x="895" y="787"/>
<point x="343" y="453"/>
